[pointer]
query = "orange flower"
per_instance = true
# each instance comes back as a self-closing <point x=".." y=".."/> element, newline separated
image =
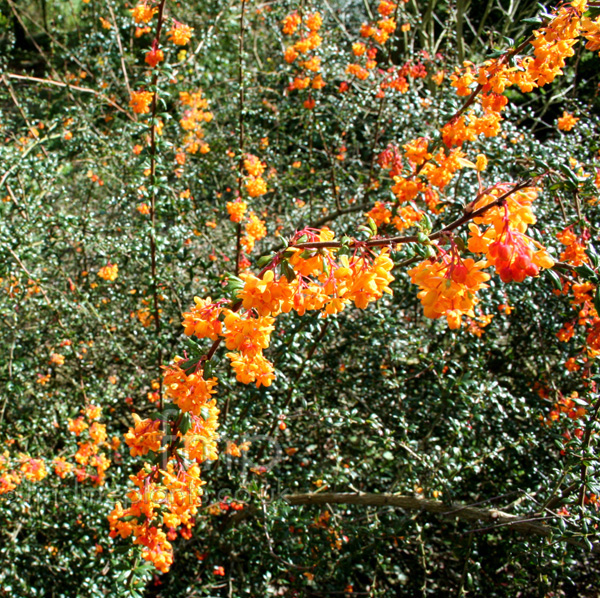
<point x="142" y="13"/>
<point x="566" y="122"/>
<point x="358" y="71"/>
<point x="236" y="210"/>
<point x="57" y="359"/>
<point x="154" y="56"/>
<point x="190" y="393"/>
<point x="314" y="21"/>
<point x="33" y="470"/>
<point x="256" y="186"/>
<point x="179" y="33"/>
<point x="77" y="426"/>
<point x="140" y="101"/>
<point x="109" y="272"/>
<point x="290" y="55"/>
<point x="254" y="167"/>
<point x="290" y="23"/>
<point x="359" y="48"/>
<point x="145" y="436"/>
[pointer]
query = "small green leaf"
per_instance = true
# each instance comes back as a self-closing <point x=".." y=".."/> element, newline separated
<point x="555" y="279"/>
<point x="586" y="272"/>
<point x="264" y="260"/>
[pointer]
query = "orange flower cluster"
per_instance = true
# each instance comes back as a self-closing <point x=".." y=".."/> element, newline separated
<point x="590" y="29"/>
<point x="574" y="252"/>
<point x="179" y="33"/>
<point x="154" y="56"/>
<point x="310" y="74"/>
<point x="552" y="44"/>
<point x="583" y="292"/>
<point x="570" y="407"/>
<point x="567" y="121"/>
<point x="505" y="244"/>
<point x="190" y="392"/>
<point x="405" y="216"/>
<point x="437" y="173"/>
<point x="384" y="27"/>
<point x="35" y="470"/>
<point x="109" y="272"/>
<point x="399" y="78"/>
<point x="142" y="13"/>
<point x="255" y="183"/>
<point x="169" y="496"/>
<point x="448" y="285"/>
<point x="8" y="480"/>
<point x="236" y="210"/>
<point x="88" y="454"/>
<point x="321" y="280"/>
<point x="194" y="116"/>
<point x="144" y="437"/>
<point x="484" y="120"/>
<point x="255" y="231"/>
<point x="140" y="101"/>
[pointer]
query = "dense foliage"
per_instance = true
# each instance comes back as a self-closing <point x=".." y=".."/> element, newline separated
<point x="154" y="156"/>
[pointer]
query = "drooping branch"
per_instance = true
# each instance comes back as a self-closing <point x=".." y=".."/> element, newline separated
<point x="497" y="518"/>
<point x="469" y="214"/>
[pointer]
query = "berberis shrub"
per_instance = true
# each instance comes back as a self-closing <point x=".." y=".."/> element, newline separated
<point x="299" y="298"/>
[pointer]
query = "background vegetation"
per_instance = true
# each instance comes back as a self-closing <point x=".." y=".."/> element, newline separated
<point x="378" y="401"/>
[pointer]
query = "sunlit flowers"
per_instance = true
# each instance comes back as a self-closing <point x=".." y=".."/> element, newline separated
<point x="109" y="272"/>
<point x="143" y="12"/>
<point x="180" y="34"/>
<point x="140" y="101"/>
<point x="567" y="121"/>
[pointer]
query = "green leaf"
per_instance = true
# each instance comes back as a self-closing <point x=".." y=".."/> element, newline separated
<point x="186" y="423"/>
<point x="587" y="273"/>
<point x="264" y="260"/>
<point x="287" y="271"/>
<point x="555" y="279"/>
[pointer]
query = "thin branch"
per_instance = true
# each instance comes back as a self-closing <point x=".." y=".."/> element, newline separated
<point x="469" y="214"/>
<point x="152" y="235"/>
<point x="121" y="53"/>
<point x="72" y="88"/>
<point x="241" y="100"/>
<point x="411" y="503"/>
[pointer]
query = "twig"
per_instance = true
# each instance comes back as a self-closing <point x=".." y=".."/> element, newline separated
<point x="238" y="243"/>
<point x="152" y="234"/>
<point x="19" y="107"/>
<point x="71" y="87"/>
<point x="411" y="503"/>
<point x="121" y="53"/>
<point x="390" y="241"/>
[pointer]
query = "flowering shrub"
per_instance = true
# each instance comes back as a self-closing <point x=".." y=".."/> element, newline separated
<point x="283" y="249"/>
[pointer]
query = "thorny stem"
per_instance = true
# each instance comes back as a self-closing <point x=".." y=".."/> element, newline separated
<point x="152" y="235"/>
<point x="391" y="241"/>
<point x="238" y="249"/>
<point x="375" y="139"/>
<point x="585" y="444"/>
